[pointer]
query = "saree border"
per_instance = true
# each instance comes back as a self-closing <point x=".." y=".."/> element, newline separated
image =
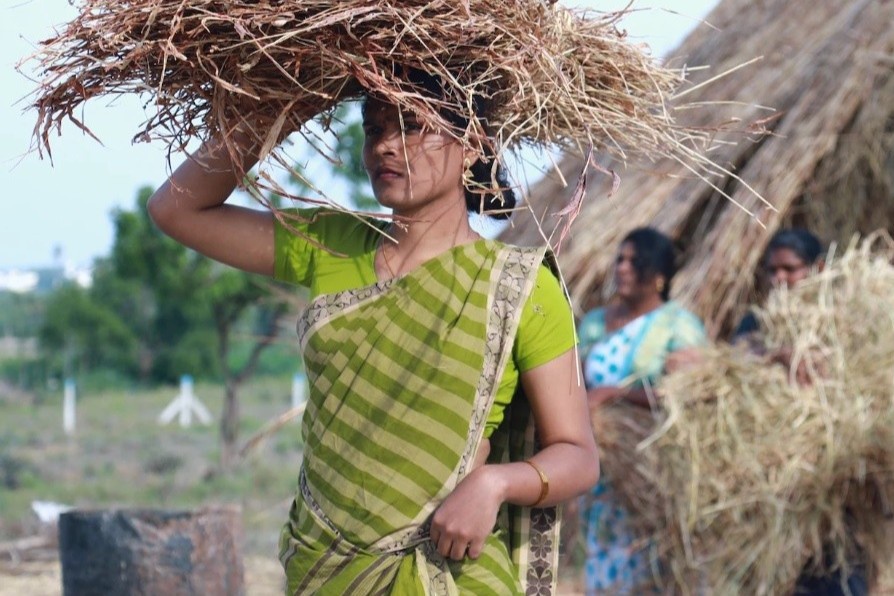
<point x="325" y="307"/>
<point x="513" y="281"/>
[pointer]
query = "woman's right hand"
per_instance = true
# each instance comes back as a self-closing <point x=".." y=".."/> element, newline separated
<point x="189" y="207"/>
<point x="462" y="523"/>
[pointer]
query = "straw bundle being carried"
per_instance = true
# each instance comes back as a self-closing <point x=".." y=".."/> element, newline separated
<point x="748" y="477"/>
<point x="547" y="74"/>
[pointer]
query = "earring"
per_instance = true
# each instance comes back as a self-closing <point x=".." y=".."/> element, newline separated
<point x="467" y="172"/>
<point x="659" y="284"/>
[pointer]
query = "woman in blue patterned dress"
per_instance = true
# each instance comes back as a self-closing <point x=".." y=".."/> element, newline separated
<point x="625" y="348"/>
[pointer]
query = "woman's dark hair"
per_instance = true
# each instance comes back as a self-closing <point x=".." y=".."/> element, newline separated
<point x="488" y="192"/>
<point x="654" y="254"/>
<point x="798" y="240"/>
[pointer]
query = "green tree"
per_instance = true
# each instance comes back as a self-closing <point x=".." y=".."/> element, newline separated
<point x="85" y="335"/>
<point x="20" y="313"/>
<point x="21" y="317"/>
<point x="151" y="282"/>
<point x="232" y="295"/>
<point x="187" y="309"/>
<point x="157" y="310"/>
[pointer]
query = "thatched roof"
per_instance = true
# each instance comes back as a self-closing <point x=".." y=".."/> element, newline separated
<point x="823" y="86"/>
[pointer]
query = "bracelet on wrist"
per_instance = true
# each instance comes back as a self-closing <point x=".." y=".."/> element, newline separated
<point x="544" y="483"/>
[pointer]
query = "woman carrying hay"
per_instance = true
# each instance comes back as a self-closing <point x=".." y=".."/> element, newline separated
<point x="625" y="348"/>
<point x="791" y="256"/>
<point x="426" y="348"/>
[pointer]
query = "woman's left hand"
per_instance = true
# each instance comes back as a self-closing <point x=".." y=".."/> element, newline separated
<point x="468" y="515"/>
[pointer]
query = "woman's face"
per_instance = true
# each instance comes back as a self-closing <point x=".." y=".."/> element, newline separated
<point x="410" y="168"/>
<point x="784" y="267"/>
<point x="628" y="284"/>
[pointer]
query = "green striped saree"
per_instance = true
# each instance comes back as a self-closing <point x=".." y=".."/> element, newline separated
<point x="402" y="375"/>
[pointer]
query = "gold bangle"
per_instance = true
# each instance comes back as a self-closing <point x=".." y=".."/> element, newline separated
<point x="544" y="483"/>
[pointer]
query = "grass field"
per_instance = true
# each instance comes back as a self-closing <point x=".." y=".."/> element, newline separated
<point x="120" y="456"/>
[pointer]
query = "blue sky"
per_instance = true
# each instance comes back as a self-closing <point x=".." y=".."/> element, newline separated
<point x="66" y="205"/>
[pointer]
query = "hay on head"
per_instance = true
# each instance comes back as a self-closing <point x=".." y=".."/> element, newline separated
<point x="552" y="75"/>
<point x="747" y="477"/>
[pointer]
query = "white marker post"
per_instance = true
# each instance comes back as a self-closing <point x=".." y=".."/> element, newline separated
<point x="185" y="405"/>
<point x="68" y="407"/>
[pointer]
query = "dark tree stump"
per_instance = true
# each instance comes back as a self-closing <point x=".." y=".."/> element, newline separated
<point x="151" y="553"/>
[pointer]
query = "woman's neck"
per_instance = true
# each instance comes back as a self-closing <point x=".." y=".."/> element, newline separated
<point x="633" y="308"/>
<point x="413" y="239"/>
<point x="438" y="231"/>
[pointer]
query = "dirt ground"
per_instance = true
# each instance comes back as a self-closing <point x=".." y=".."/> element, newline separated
<point x="263" y="577"/>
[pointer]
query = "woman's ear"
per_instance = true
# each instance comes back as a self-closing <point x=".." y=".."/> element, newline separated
<point x="820" y="265"/>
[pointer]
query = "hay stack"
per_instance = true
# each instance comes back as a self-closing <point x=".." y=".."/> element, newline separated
<point x="825" y="91"/>
<point x="554" y="75"/>
<point x="749" y="476"/>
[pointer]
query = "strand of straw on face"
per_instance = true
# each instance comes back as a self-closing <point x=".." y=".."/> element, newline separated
<point x="747" y="478"/>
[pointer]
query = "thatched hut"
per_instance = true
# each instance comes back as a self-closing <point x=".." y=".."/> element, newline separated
<point x="808" y="86"/>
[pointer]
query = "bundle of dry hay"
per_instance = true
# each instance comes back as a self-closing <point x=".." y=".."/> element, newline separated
<point x="553" y="75"/>
<point x="747" y="477"/>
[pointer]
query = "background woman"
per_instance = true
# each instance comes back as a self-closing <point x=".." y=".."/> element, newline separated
<point x="625" y="348"/>
<point x="790" y="256"/>
<point x="417" y="337"/>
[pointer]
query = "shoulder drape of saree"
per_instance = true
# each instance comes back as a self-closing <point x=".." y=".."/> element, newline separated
<point x="402" y="375"/>
<point x="652" y="347"/>
<point x="532" y="533"/>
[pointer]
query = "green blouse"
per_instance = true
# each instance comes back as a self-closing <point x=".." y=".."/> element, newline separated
<point x="329" y="251"/>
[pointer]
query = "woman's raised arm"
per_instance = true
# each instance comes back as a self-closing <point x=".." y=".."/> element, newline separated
<point x="190" y="208"/>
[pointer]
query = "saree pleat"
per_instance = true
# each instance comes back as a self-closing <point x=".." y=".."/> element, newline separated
<point x="402" y="375"/>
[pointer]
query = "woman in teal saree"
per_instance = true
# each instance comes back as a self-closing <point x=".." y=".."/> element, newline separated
<point x="446" y="420"/>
